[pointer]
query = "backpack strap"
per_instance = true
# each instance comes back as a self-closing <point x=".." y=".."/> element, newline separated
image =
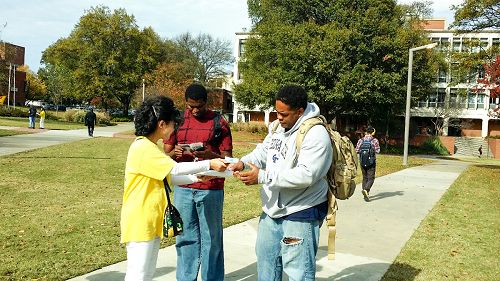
<point x="332" y="202"/>
<point x="217" y="131"/>
<point x="275" y="126"/>
<point x="331" y="223"/>
<point x="304" y="128"/>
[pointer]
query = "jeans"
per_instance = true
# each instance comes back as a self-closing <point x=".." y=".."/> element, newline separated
<point x="276" y="255"/>
<point x="141" y="260"/>
<point x="201" y="243"/>
<point x="32" y="122"/>
<point x="91" y="130"/>
<point x="368" y="177"/>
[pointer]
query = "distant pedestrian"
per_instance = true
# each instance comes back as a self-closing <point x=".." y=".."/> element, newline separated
<point x="480" y="150"/>
<point x="90" y="121"/>
<point x="32" y="116"/>
<point x="42" y="118"/>
<point x="367" y="147"/>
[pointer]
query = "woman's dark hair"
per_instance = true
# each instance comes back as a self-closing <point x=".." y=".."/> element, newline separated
<point x="293" y="96"/>
<point x="152" y="110"/>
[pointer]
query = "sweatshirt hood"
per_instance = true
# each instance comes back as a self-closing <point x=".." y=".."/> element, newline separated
<point x="312" y="110"/>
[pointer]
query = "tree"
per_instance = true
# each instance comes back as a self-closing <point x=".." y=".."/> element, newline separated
<point x="210" y="56"/>
<point x="36" y="89"/>
<point x="475" y="15"/>
<point x="351" y="58"/>
<point x="107" y="55"/>
<point x="60" y="85"/>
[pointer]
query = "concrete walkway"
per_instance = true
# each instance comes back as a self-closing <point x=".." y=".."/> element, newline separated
<point x="24" y="142"/>
<point x="369" y="234"/>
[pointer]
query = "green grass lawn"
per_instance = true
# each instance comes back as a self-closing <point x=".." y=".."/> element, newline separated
<point x="49" y="124"/>
<point x="4" y="133"/>
<point x="459" y="239"/>
<point x="61" y="207"/>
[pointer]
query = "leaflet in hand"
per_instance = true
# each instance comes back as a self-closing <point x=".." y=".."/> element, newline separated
<point x="212" y="173"/>
<point x="195" y="146"/>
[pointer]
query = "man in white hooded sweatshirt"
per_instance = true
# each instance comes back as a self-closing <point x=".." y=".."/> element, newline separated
<point x="294" y="189"/>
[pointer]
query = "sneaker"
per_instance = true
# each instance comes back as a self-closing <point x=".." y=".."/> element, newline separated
<point x="366" y="195"/>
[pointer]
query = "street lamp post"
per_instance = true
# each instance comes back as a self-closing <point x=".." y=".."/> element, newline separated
<point x="143" y="88"/>
<point x="408" y="98"/>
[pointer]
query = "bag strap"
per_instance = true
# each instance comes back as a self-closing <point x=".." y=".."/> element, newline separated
<point x="167" y="191"/>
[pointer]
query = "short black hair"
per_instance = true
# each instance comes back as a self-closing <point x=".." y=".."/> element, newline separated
<point x="293" y="96"/>
<point x="152" y="110"/>
<point x="370" y="130"/>
<point x="196" y="91"/>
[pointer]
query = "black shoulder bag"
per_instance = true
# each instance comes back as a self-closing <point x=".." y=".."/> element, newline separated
<point x="172" y="221"/>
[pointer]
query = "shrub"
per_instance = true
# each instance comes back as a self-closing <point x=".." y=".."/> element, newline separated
<point x="251" y="127"/>
<point x="122" y="118"/>
<point x="434" y="145"/>
<point x="78" y="116"/>
<point x="11" y="112"/>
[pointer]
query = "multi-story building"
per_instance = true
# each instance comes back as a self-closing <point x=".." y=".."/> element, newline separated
<point x="464" y="105"/>
<point x="240" y="112"/>
<point x="470" y="118"/>
<point x="11" y="57"/>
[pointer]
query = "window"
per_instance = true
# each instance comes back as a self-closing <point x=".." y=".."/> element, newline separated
<point x="456" y="44"/>
<point x="481" y="72"/>
<point x="471" y="100"/>
<point x="441" y="95"/>
<point x="494" y="102"/>
<point x="433" y="100"/>
<point x="442" y="75"/>
<point x="496" y="42"/>
<point x="480" y="101"/>
<point x="443" y="43"/>
<point x="242" y="47"/>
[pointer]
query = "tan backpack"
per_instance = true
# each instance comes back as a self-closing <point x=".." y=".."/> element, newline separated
<point x="340" y="176"/>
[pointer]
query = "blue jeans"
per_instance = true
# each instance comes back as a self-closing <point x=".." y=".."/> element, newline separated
<point x="32" y="121"/>
<point x="286" y="246"/>
<point x="200" y="244"/>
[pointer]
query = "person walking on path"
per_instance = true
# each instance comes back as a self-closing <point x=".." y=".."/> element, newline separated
<point x="42" y="118"/>
<point x="32" y="116"/>
<point x="144" y="198"/>
<point x="200" y="204"/>
<point x="90" y="121"/>
<point x="294" y="189"/>
<point x="367" y="147"/>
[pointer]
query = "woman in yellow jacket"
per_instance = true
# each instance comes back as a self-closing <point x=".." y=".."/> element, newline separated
<point x="42" y="118"/>
<point x="144" y="199"/>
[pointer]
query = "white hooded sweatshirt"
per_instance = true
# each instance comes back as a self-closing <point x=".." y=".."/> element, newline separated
<point x="289" y="187"/>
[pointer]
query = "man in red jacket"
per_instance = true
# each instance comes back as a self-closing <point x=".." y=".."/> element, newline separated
<point x="200" y="204"/>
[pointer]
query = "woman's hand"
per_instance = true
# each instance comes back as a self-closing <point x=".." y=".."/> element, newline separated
<point x="218" y="165"/>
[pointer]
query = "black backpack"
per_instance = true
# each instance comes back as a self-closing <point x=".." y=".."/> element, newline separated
<point x="366" y="154"/>
<point x="216" y="137"/>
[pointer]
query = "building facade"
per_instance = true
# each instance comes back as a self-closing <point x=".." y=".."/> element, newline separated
<point x="12" y="80"/>
<point x="464" y="106"/>
<point x="461" y="114"/>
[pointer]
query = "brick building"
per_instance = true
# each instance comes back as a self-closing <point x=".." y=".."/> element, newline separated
<point x="11" y="58"/>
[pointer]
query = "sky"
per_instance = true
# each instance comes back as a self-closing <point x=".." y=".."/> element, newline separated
<point x="36" y="24"/>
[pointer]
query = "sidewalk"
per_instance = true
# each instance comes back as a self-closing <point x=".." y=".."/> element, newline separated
<point x="369" y="234"/>
<point x="24" y="142"/>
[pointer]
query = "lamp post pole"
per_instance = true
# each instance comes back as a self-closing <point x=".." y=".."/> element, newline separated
<point x="408" y="99"/>
<point x="143" y="88"/>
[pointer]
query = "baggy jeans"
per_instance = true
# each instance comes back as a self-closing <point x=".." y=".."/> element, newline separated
<point x="276" y="255"/>
<point x="201" y="243"/>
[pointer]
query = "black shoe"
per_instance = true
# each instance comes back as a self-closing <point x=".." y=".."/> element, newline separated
<point x="366" y="195"/>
